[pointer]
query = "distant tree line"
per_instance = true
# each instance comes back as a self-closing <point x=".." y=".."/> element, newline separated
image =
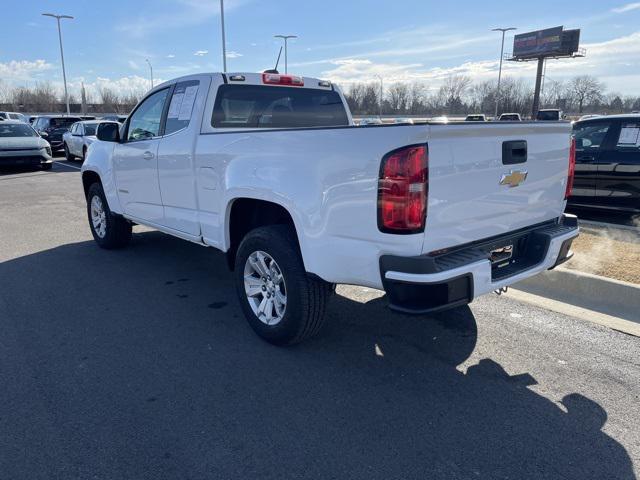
<point x="44" y="98"/>
<point x="459" y="95"/>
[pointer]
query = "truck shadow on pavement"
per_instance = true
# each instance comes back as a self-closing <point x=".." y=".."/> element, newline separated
<point x="138" y="364"/>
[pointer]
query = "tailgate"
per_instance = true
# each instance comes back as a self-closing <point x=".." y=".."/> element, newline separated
<point x="467" y="201"/>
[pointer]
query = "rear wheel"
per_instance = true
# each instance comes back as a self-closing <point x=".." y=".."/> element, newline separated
<point x="67" y="153"/>
<point x="281" y="302"/>
<point x="108" y="229"/>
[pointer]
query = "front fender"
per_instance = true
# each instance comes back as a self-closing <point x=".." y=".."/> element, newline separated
<point x="98" y="160"/>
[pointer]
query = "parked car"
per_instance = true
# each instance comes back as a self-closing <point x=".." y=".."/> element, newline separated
<point x="510" y="117"/>
<point x="476" y="117"/>
<point x="52" y="127"/>
<point x="398" y="121"/>
<point x="271" y="170"/>
<point x="370" y="121"/>
<point x="115" y="118"/>
<point x="441" y="119"/>
<point x="585" y="117"/>
<point x="549" y="115"/>
<point x="80" y="136"/>
<point x="607" y="163"/>
<point x="21" y="145"/>
<point x="13" y="116"/>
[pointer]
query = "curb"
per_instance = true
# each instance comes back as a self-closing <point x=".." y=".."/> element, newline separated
<point x="592" y="292"/>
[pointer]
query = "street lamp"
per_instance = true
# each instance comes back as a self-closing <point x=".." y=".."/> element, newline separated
<point x="151" y="71"/>
<point x="224" y="41"/>
<point x="285" y="38"/>
<point x="64" y="73"/>
<point x="503" y="30"/>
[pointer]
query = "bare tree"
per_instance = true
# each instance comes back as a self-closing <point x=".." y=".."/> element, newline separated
<point x="399" y="96"/>
<point x="586" y="89"/>
<point x="452" y="91"/>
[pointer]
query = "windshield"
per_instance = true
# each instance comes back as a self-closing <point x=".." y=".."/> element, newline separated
<point x="63" y="122"/>
<point x="548" y="115"/>
<point x="16" y="130"/>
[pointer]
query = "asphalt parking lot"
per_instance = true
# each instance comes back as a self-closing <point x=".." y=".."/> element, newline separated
<point x="138" y="364"/>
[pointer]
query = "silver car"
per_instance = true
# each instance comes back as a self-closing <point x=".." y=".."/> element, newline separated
<point x="77" y="140"/>
<point x="20" y="145"/>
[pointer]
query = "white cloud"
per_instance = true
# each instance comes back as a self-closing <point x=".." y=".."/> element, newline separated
<point x="233" y="54"/>
<point x="23" y="70"/>
<point x="626" y="8"/>
<point x="609" y="60"/>
<point x="171" y="55"/>
<point x="201" y="53"/>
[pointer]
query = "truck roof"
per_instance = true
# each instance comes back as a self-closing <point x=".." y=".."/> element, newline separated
<point x="254" y="78"/>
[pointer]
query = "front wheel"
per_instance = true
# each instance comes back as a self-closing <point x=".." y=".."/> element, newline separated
<point x="281" y="302"/>
<point x="67" y="153"/>
<point x="108" y="230"/>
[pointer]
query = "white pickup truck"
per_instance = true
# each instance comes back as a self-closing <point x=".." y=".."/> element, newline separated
<point x="270" y="169"/>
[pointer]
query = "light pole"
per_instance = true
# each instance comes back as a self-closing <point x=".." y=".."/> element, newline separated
<point x="503" y="30"/>
<point x="285" y="38"/>
<point x="151" y="71"/>
<point x="224" y="41"/>
<point x="64" y="73"/>
<point x="380" y="101"/>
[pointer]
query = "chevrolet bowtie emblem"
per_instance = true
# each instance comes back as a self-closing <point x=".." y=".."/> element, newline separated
<point x="513" y="178"/>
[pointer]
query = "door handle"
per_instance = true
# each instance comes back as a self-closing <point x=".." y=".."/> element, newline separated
<point x="147" y="155"/>
<point x="587" y="158"/>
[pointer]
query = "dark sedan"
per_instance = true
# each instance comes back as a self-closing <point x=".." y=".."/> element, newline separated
<point x="52" y="127"/>
<point x="607" y="163"/>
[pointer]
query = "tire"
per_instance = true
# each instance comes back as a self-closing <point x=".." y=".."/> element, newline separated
<point x="110" y="231"/>
<point x="305" y="297"/>
<point x="46" y="166"/>
<point x="67" y="154"/>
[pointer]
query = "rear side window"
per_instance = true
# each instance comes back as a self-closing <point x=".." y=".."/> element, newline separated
<point x="590" y="136"/>
<point x="181" y="106"/>
<point x="257" y="106"/>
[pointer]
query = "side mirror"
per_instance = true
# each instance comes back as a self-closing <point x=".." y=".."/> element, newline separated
<point x="43" y="134"/>
<point x="108" y="132"/>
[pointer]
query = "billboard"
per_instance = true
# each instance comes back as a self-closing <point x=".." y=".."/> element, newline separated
<point x="570" y="41"/>
<point x="538" y="43"/>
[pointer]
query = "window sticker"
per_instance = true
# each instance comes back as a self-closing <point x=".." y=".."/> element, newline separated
<point x="174" y="107"/>
<point x="629" y="136"/>
<point x="187" y="102"/>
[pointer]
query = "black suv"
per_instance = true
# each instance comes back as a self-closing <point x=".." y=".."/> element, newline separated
<point x="52" y="127"/>
<point x="607" y="163"/>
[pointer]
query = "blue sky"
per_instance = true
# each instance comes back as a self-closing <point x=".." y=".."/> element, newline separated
<point x="345" y="41"/>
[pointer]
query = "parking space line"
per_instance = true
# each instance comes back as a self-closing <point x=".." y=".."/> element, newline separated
<point x="59" y="162"/>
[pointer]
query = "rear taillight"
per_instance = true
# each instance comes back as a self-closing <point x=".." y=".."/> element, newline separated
<point x="572" y="168"/>
<point x="402" y="190"/>
<point x="277" y="79"/>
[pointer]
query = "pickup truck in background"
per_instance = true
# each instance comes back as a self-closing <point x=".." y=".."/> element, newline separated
<point x="270" y="169"/>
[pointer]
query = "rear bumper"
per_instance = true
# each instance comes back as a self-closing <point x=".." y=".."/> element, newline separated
<point x="429" y="283"/>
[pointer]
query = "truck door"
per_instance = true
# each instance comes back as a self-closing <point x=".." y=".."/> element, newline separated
<point x="135" y="160"/>
<point x="176" y="169"/>
<point x="590" y="140"/>
<point x="618" y="183"/>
